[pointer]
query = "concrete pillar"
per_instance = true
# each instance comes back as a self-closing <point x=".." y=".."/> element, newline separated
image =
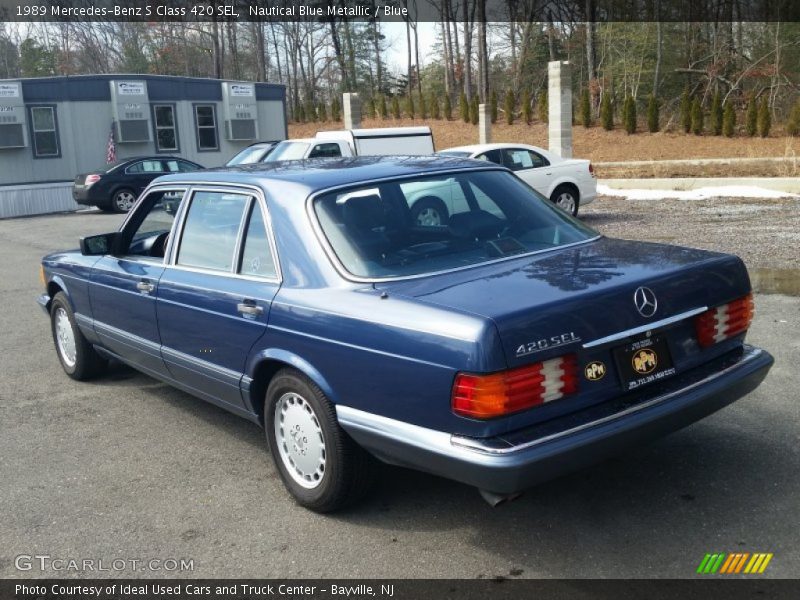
<point x="559" y="103"/>
<point x="352" y="111"/>
<point x="484" y="125"/>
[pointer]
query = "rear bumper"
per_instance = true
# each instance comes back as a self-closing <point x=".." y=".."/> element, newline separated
<point x="514" y="462"/>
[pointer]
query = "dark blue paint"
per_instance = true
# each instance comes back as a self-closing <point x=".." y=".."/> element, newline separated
<point x="393" y="348"/>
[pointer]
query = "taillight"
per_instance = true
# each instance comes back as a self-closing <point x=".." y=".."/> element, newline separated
<point x="90" y="179"/>
<point x="724" y="321"/>
<point x="591" y="170"/>
<point x="497" y="394"/>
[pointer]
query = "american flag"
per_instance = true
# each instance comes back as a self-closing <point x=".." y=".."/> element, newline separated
<point x="111" y="149"/>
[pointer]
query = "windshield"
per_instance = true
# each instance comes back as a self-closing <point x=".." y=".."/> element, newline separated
<point x="249" y="155"/>
<point x="386" y="229"/>
<point x="288" y="151"/>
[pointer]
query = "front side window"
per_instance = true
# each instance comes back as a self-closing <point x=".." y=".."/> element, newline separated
<point x="491" y="215"/>
<point x="211" y="230"/>
<point x="148" y="234"/>
<point x="205" y="119"/>
<point x="45" y="132"/>
<point x="166" y="129"/>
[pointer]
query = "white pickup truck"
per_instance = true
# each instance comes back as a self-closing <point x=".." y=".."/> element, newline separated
<point x="357" y="142"/>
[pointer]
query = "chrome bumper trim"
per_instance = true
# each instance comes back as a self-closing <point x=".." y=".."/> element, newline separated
<point x="476" y="445"/>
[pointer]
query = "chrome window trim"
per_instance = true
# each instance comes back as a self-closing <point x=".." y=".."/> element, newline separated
<point x="646" y="327"/>
<point x="344" y="273"/>
<point x="180" y="218"/>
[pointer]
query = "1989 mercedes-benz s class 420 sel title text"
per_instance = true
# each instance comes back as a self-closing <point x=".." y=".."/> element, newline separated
<point x="501" y="348"/>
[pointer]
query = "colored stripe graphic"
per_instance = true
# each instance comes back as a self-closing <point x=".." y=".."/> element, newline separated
<point x="733" y="563"/>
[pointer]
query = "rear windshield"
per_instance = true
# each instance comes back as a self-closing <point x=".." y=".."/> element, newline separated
<point x="437" y="223"/>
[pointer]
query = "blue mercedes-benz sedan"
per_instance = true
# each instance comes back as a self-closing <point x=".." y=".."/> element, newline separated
<point x="501" y="348"/>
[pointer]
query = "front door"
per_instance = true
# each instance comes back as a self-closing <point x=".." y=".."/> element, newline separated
<point x="214" y="297"/>
<point x="123" y="286"/>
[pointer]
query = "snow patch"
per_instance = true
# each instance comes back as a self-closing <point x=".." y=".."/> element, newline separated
<point x="724" y="191"/>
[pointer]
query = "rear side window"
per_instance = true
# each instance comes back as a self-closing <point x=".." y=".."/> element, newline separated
<point x="257" y="255"/>
<point x="146" y="166"/>
<point x="211" y="230"/>
<point x="325" y="150"/>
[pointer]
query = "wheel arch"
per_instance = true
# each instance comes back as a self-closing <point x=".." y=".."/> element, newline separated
<point x="264" y="366"/>
<point x="565" y="182"/>
<point x="56" y="285"/>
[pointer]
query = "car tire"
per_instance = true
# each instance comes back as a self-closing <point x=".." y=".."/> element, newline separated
<point x="123" y="200"/>
<point x="429" y="211"/>
<point x="566" y="197"/>
<point x="77" y="356"/>
<point x="320" y="465"/>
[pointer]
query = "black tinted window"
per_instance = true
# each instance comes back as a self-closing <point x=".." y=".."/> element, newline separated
<point x="257" y="255"/>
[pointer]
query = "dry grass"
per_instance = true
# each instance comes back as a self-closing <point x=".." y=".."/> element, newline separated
<point x="597" y="144"/>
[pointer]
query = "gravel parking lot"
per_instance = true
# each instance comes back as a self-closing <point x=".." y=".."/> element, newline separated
<point x="126" y="467"/>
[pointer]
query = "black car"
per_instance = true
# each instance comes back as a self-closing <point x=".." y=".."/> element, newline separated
<point x="116" y="186"/>
<point x="254" y="153"/>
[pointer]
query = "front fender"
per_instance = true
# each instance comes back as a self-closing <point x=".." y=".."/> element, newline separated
<point x="59" y="281"/>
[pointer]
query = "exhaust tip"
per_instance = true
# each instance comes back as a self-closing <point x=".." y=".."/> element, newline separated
<point x="494" y="499"/>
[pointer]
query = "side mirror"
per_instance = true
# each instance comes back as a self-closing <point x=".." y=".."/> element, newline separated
<point x="98" y="245"/>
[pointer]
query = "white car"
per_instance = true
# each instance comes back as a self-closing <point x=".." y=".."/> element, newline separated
<point x="569" y="183"/>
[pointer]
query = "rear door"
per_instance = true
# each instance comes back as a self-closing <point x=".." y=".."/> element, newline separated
<point x="122" y="288"/>
<point x="215" y="295"/>
<point x="533" y="168"/>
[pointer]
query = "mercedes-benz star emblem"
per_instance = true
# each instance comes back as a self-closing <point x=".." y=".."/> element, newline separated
<point x="645" y="301"/>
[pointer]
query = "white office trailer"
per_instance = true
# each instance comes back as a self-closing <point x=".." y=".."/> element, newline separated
<point x="53" y="128"/>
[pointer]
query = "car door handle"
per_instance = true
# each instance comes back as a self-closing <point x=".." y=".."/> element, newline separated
<point x="549" y="173"/>
<point x="145" y="286"/>
<point x="249" y="308"/>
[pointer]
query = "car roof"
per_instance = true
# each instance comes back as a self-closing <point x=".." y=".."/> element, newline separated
<point x="472" y="149"/>
<point x="322" y="173"/>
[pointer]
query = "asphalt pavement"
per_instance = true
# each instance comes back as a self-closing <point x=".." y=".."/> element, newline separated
<point x="126" y="468"/>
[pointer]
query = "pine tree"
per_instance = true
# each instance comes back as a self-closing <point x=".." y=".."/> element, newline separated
<point x="423" y="107"/>
<point x="527" y="109"/>
<point x="629" y="115"/>
<point x="448" y="108"/>
<point x="463" y="107"/>
<point x="607" y="112"/>
<point x="715" y="118"/>
<point x="395" y="107"/>
<point x="751" y="124"/>
<point x="473" y="110"/>
<point x="793" y="123"/>
<point x="493" y="106"/>
<point x="729" y="120"/>
<point x="541" y="105"/>
<point x="509" y="107"/>
<point x="322" y="112"/>
<point x="336" y="109"/>
<point x="697" y="117"/>
<point x="652" y="115"/>
<point x="410" y="106"/>
<point x="434" y="104"/>
<point x="764" y="118"/>
<point x="586" y="109"/>
<point x="686" y="110"/>
<point x="382" y="110"/>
